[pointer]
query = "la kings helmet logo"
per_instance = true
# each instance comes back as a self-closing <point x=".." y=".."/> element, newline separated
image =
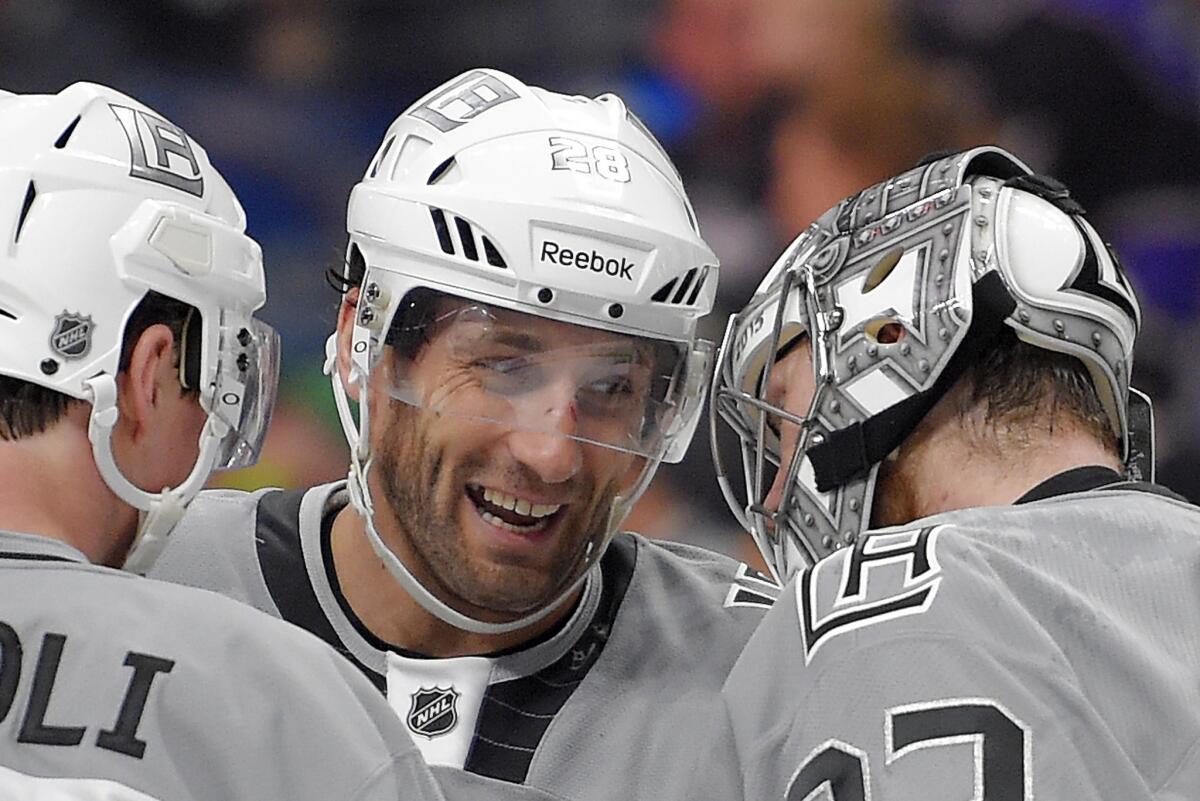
<point x="72" y="335"/>
<point x="464" y="100"/>
<point x="434" y="711"/>
<point x="159" y="151"/>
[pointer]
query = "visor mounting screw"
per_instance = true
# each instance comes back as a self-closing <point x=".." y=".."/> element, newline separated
<point x="372" y="293"/>
<point x="943" y="334"/>
<point x="545" y="295"/>
<point x="49" y="366"/>
<point x="1096" y="338"/>
<point x="366" y="317"/>
<point x="905" y="349"/>
<point x="923" y="366"/>
<point x="1023" y="315"/>
<point x="616" y="310"/>
<point x="948" y="229"/>
<point x="827" y="542"/>
<point x="1060" y="327"/>
<point x="243" y="362"/>
<point x="981" y="221"/>
<point x="243" y="337"/>
<point x="943" y="254"/>
<point x="852" y="363"/>
<point x="854" y="504"/>
<point x="835" y="407"/>
<point x="809" y="520"/>
<point x="872" y="351"/>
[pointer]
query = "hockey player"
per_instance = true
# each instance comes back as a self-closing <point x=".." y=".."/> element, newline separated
<point x="1001" y="606"/>
<point x="130" y="366"/>
<point x="522" y="287"/>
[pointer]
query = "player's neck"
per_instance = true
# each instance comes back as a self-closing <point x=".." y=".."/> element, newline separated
<point x="49" y="486"/>
<point x="395" y="617"/>
<point x="949" y="468"/>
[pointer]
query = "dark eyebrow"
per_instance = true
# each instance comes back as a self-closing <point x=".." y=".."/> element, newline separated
<point x="521" y="340"/>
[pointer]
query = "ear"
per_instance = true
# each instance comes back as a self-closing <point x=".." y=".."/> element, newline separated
<point x="345" y="334"/>
<point x="151" y="372"/>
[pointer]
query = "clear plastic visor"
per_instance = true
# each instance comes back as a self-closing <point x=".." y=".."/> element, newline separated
<point x="522" y="371"/>
<point x="243" y="393"/>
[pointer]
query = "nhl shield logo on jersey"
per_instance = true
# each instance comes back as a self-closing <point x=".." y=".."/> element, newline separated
<point x="433" y="711"/>
<point x="72" y="335"/>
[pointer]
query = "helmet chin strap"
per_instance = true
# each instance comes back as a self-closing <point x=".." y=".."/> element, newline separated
<point x="360" y="498"/>
<point x="159" y="511"/>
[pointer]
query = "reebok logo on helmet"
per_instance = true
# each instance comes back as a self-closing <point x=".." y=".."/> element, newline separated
<point x="592" y="260"/>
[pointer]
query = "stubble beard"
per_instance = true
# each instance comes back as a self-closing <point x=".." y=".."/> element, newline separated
<point x="423" y="496"/>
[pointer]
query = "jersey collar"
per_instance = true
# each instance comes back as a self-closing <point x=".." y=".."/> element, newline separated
<point x="36" y="548"/>
<point x="1077" y="479"/>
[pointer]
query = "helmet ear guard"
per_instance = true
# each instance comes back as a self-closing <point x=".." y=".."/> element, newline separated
<point x="949" y="252"/>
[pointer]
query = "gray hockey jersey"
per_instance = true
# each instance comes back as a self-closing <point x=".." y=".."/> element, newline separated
<point x="121" y="688"/>
<point x="1045" y="650"/>
<point x="607" y="707"/>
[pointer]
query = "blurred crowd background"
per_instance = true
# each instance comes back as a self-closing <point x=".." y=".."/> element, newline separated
<point x="773" y="110"/>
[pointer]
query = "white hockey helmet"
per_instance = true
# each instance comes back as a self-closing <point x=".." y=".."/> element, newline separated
<point x="102" y="201"/>
<point x="518" y="200"/>
<point x="952" y="251"/>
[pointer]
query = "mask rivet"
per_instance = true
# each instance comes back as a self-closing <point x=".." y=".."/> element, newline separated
<point x="854" y="504"/>
<point x="809" y="520"/>
<point x="848" y="537"/>
<point x="872" y="350"/>
<point x="943" y="254"/>
<point x="1060" y="326"/>
<point x="923" y="366"/>
<point x="827" y="541"/>
<point x="1096" y="338"/>
<point x="905" y="349"/>
<point x="943" y="333"/>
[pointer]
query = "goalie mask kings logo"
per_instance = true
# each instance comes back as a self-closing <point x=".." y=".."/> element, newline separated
<point x="433" y="711"/>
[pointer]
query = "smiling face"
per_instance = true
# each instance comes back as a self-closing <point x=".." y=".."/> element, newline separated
<point x="500" y="463"/>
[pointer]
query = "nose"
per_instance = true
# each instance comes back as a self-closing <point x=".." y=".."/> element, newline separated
<point x="545" y="444"/>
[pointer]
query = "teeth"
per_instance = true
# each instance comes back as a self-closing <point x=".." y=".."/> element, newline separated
<point x="518" y="505"/>
<point x="497" y="522"/>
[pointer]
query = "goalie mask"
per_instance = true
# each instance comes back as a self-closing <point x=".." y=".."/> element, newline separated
<point x="102" y="201"/>
<point x="897" y="289"/>
<point x="540" y="248"/>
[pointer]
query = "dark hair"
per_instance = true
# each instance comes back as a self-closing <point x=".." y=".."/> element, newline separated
<point x="27" y="409"/>
<point x="349" y="274"/>
<point x="1016" y="382"/>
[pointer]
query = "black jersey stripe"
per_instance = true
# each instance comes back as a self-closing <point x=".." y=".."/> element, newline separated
<point x="281" y="558"/>
<point x="38" y="557"/>
<point x="515" y="714"/>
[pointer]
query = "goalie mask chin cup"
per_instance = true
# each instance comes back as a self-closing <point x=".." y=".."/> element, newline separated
<point x="512" y="201"/>
<point x="950" y="251"/>
<point x="104" y="201"/>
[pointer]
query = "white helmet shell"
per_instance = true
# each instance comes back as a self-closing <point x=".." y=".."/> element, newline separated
<point x="101" y="201"/>
<point x="518" y="198"/>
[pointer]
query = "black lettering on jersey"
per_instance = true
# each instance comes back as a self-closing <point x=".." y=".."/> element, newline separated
<point x="10" y="667"/>
<point x="751" y="588"/>
<point x="147" y="133"/>
<point x="34" y="728"/>
<point x="835" y="771"/>
<point x="855" y="605"/>
<point x="1000" y="742"/>
<point x="122" y="737"/>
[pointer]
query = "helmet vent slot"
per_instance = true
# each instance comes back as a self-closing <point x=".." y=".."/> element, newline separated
<point x="493" y="256"/>
<point x="382" y="155"/>
<point x="684" y="285"/>
<point x="439" y="172"/>
<point x="61" y="142"/>
<point x="664" y="292"/>
<point x="682" y="291"/>
<point x="468" y="238"/>
<point x="443" y="231"/>
<point x="30" y="194"/>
